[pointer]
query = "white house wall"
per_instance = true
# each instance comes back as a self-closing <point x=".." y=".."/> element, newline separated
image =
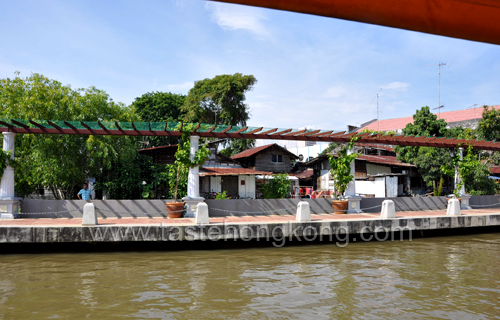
<point x="376" y="187"/>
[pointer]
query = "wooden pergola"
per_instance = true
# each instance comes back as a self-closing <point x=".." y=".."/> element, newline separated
<point x="165" y="129"/>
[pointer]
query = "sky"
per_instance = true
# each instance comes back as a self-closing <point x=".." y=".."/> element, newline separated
<point x="313" y="72"/>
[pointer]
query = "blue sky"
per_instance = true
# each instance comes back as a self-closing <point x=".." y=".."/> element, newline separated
<point x="312" y="71"/>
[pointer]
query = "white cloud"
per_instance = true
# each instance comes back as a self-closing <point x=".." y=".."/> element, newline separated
<point x="181" y="87"/>
<point x="237" y="17"/>
<point x="335" y="92"/>
<point x="399" y="86"/>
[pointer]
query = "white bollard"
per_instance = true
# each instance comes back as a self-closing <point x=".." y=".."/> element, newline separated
<point x="89" y="215"/>
<point x="303" y="211"/>
<point x="202" y="213"/>
<point x="388" y="210"/>
<point x="453" y="208"/>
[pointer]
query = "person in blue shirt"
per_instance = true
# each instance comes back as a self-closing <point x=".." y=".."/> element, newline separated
<point x="85" y="193"/>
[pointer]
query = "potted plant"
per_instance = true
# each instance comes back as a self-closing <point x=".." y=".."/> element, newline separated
<point x="178" y="171"/>
<point x="341" y="174"/>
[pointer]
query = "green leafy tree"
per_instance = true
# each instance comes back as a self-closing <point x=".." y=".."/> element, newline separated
<point x="220" y="100"/>
<point x="133" y="178"/>
<point x="474" y="174"/>
<point x="61" y="162"/>
<point x="341" y="167"/>
<point x="159" y="107"/>
<point x="238" y="145"/>
<point x="489" y="126"/>
<point x="427" y="159"/>
<point x="277" y="188"/>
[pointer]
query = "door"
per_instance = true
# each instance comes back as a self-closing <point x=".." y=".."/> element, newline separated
<point x="230" y="185"/>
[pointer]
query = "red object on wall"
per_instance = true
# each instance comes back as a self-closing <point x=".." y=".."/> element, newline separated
<point x="242" y="182"/>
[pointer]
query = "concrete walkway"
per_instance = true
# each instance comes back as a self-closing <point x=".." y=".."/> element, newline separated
<point x="245" y="219"/>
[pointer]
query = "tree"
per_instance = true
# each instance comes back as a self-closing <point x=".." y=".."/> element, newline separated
<point x="220" y="100"/>
<point x="427" y="159"/>
<point x="238" y="145"/>
<point x="489" y="126"/>
<point x="277" y="188"/>
<point x="61" y="162"/>
<point x="159" y="107"/>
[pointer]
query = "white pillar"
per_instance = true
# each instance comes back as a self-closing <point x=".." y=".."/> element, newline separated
<point x="194" y="173"/>
<point x="193" y="190"/>
<point x="462" y="190"/>
<point x="351" y="187"/>
<point x="8" y="202"/>
<point x="354" y="201"/>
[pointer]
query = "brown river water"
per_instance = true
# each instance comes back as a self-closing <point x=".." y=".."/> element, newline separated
<point x="432" y="278"/>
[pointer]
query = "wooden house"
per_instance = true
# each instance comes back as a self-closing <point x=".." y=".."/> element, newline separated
<point x="272" y="158"/>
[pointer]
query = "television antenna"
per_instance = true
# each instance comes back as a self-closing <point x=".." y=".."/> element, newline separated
<point x="441" y="64"/>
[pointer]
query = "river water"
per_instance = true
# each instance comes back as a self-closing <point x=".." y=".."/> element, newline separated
<point x="432" y="278"/>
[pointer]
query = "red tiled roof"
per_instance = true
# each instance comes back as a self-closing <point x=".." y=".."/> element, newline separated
<point x="376" y="146"/>
<point x="495" y="170"/>
<point x="449" y="117"/>
<point x="251" y="152"/>
<point x="162" y="147"/>
<point x="388" y="160"/>
<point x="217" y="171"/>
<point x="306" y="174"/>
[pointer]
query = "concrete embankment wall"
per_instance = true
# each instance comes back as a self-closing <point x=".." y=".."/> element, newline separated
<point x="232" y="207"/>
<point x="277" y="231"/>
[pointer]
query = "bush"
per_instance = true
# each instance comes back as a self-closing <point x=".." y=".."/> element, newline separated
<point x="277" y="188"/>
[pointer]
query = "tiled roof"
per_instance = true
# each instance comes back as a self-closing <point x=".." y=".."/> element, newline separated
<point x="218" y="171"/>
<point x="162" y="147"/>
<point x="495" y="170"/>
<point x="449" y="117"/>
<point x="388" y="160"/>
<point x="376" y="146"/>
<point x="251" y="152"/>
<point x="306" y="174"/>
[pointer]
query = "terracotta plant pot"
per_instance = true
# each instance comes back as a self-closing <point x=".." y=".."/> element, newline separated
<point x="175" y="209"/>
<point x="340" y="206"/>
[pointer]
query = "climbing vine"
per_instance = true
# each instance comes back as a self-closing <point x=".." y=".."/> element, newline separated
<point x="5" y="160"/>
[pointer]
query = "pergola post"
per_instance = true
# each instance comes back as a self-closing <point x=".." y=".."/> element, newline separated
<point x="354" y="205"/>
<point x="9" y="204"/>
<point x="465" y="197"/>
<point x="193" y="189"/>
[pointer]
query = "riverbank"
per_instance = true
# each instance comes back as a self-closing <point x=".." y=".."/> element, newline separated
<point x="274" y="229"/>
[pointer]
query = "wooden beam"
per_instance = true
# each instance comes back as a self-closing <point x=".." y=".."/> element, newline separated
<point x="55" y="125"/>
<point x="269" y="131"/>
<point x="227" y="129"/>
<point x="241" y="130"/>
<point x="19" y="124"/>
<point x="102" y="126"/>
<point x="282" y="132"/>
<point x="71" y="126"/>
<point x="196" y="128"/>
<point x="212" y="129"/>
<point x="36" y="124"/>
<point x="8" y="125"/>
<point x="255" y="130"/>
<point x="295" y="133"/>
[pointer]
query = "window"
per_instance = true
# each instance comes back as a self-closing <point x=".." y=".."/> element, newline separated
<point x="277" y="158"/>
